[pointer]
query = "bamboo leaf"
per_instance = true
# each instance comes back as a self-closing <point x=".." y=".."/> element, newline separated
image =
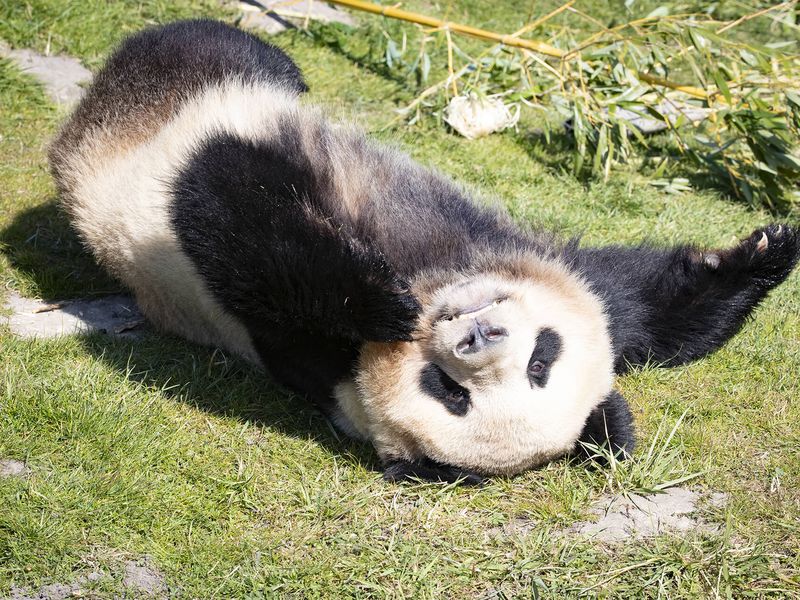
<point x="698" y="41"/>
<point x="425" y="67"/>
<point x="749" y="58"/>
<point x="719" y="79"/>
<point x="661" y="11"/>
<point x="392" y="53"/>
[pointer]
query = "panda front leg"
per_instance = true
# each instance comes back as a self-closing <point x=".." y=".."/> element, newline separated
<point x="342" y="287"/>
<point x="266" y="234"/>
<point x="672" y="306"/>
<point x="336" y="286"/>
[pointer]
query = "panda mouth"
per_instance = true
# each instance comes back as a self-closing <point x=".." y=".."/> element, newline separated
<point x="471" y="312"/>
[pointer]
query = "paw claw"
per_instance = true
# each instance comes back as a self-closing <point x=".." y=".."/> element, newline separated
<point x="712" y="260"/>
<point x="763" y="243"/>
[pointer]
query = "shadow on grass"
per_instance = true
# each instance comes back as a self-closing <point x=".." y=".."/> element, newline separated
<point x="43" y="248"/>
<point x="363" y="51"/>
<point x="48" y="257"/>
<point x="223" y="385"/>
<point x="555" y="152"/>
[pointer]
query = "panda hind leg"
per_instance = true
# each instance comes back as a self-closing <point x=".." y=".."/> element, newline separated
<point x="710" y="296"/>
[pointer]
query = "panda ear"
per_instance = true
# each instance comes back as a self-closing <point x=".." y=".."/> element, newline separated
<point x="428" y="470"/>
<point x="610" y="423"/>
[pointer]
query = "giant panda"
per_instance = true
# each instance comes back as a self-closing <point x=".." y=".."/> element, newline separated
<point x="428" y="323"/>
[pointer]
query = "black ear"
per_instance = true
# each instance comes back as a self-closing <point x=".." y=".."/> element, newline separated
<point x="428" y="470"/>
<point x="610" y="423"/>
<point x="674" y="305"/>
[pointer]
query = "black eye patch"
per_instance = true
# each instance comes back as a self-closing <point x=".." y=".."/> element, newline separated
<point x="545" y="353"/>
<point x="438" y="384"/>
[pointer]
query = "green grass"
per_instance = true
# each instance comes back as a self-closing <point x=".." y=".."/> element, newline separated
<point x="236" y="488"/>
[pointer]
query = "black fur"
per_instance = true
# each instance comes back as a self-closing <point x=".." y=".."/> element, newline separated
<point x="157" y="69"/>
<point x="260" y="225"/>
<point x="545" y="353"/>
<point x="610" y="423"/>
<point x="196" y="54"/>
<point x="428" y="470"/>
<point x="439" y="385"/>
<point x="675" y="305"/>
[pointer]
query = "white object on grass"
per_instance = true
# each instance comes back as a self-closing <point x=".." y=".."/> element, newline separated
<point x="474" y="117"/>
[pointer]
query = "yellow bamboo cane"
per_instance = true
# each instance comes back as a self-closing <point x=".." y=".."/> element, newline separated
<point x="686" y="89"/>
<point x="411" y="17"/>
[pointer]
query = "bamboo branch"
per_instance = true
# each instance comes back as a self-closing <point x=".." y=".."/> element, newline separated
<point x="764" y="11"/>
<point x="686" y="89"/>
<point x="534" y="24"/>
<point x="450" y="61"/>
<point x="508" y="40"/>
<point x="411" y="17"/>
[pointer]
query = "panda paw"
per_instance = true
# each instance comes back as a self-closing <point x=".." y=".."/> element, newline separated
<point x="388" y="313"/>
<point x="427" y="470"/>
<point x="766" y="256"/>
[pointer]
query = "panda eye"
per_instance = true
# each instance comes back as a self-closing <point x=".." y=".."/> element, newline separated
<point x="536" y="367"/>
<point x="545" y="353"/>
<point x="537" y="373"/>
<point x="438" y="384"/>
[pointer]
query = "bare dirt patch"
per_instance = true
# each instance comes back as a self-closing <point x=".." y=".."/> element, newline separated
<point x="63" y="77"/>
<point x="57" y="591"/>
<point x="274" y="16"/>
<point x="634" y="517"/>
<point x="12" y="468"/>
<point x="624" y="518"/>
<point x="114" y="315"/>
<point x="142" y="577"/>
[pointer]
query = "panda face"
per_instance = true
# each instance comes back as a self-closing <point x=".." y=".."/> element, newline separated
<point x="502" y="377"/>
<point x="487" y="333"/>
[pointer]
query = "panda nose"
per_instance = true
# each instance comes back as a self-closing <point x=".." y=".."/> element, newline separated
<point x="481" y="335"/>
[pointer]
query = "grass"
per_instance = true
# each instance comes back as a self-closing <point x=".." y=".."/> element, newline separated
<point x="235" y="488"/>
<point x="657" y="467"/>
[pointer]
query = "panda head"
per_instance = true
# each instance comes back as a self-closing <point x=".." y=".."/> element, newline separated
<point x="509" y="361"/>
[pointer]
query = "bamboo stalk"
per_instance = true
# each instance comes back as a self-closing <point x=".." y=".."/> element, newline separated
<point x="686" y="89"/>
<point x="411" y="17"/>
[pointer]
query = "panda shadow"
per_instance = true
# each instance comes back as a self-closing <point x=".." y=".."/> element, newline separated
<point x="222" y="385"/>
<point x="42" y="247"/>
